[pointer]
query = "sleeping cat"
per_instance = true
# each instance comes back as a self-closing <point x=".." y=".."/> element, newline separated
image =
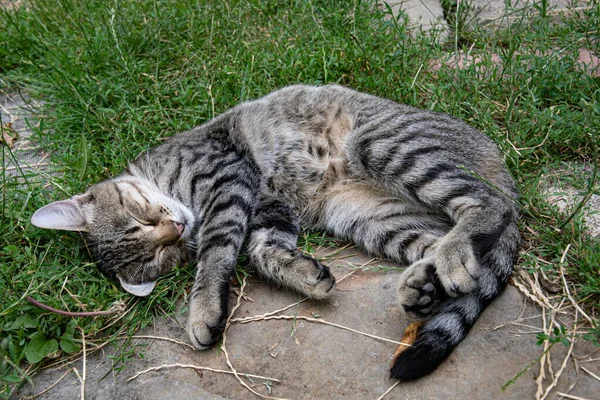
<point x="421" y="188"/>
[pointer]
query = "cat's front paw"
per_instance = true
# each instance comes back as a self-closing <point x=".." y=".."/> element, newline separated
<point x="457" y="267"/>
<point x="420" y="291"/>
<point x="205" y="326"/>
<point x="318" y="282"/>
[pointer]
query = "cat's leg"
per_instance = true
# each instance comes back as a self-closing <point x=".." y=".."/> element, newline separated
<point x="225" y="222"/>
<point x="273" y="253"/>
<point x="438" y="175"/>
<point x="208" y="302"/>
<point x="393" y="228"/>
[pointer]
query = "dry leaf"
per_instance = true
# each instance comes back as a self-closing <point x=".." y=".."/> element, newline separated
<point x="410" y="335"/>
<point x="8" y="135"/>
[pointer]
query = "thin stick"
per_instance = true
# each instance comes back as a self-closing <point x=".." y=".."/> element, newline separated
<point x="198" y="368"/>
<point x="589" y="361"/>
<point x="259" y="317"/>
<point x="566" y="286"/>
<point x="35" y="165"/>
<point x="542" y="374"/>
<point x="389" y="390"/>
<point x="184" y="344"/>
<point x="336" y="252"/>
<point x="321" y="321"/>
<point x="113" y="310"/>
<point x="35" y="396"/>
<point x="560" y="371"/>
<point x="84" y="364"/>
<point x="593" y="375"/>
<point x="341" y="257"/>
<point x="539" y="297"/>
<point x="570" y="396"/>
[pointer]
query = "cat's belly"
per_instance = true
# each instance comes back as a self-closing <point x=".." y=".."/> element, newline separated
<point x="305" y="187"/>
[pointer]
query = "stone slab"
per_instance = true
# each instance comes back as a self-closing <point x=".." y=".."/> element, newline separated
<point x="494" y="13"/>
<point x="18" y="114"/>
<point x="315" y="361"/>
<point x="426" y="14"/>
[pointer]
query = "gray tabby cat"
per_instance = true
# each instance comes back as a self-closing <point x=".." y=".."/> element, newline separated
<point x="418" y="187"/>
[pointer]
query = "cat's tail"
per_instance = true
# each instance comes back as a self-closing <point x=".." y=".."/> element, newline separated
<point x="437" y="337"/>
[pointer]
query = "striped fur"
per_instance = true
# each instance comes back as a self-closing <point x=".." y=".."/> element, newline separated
<point x="421" y="188"/>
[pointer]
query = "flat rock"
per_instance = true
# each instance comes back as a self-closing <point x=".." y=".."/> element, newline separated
<point x="424" y="14"/>
<point x="315" y="361"/>
<point x="567" y="197"/>
<point x="18" y="118"/>
<point x="494" y="13"/>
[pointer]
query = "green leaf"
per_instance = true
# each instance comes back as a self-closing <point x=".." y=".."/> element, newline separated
<point x="107" y="112"/>
<point x="11" y="378"/>
<point x="39" y="347"/>
<point x="68" y="346"/>
<point x="81" y="163"/>
<point x="69" y="330"/>
<point x="23" y="321"/>
<point x="15" y="351"/>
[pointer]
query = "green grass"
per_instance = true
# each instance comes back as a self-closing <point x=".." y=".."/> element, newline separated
<point x="117" y="77"/>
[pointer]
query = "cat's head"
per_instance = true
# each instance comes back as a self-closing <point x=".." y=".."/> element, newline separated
<point x="136" y="233"/>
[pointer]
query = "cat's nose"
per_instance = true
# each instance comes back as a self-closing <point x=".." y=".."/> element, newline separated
<point x="179" y="226"/>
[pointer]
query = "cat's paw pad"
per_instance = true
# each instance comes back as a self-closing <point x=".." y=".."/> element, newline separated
<point x="457" y="267"/>
<point x="420" y="291"/>
<point x="204" y="328"/>
<point x="320" y="280"/>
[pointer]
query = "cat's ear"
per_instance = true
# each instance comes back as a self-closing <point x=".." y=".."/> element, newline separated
<point x="141" y="290"/>
<point x="65" y="215"/>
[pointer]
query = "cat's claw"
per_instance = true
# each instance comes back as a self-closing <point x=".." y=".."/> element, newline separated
<point x="324" y="283"/>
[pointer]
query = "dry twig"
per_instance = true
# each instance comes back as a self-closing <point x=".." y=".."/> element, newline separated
<point x="560" y="371"/>
<point x="570" y="396"/>
<point x="321" y="321"/>
<point x="35" y="396"/>
<point x="566" y="287"/>
<point x="179" y="342"/>
<point x="389" y="390"/>
<point x="590" y="373"/>
<point x="197" y="368"/>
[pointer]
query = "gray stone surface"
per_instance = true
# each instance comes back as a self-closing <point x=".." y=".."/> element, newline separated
<point x="495" y="13"/>
<point x="18" y="115"/>
<point x="567" y="197"/>
<point x="315" y="361"/>
<point x="428" y="14"/>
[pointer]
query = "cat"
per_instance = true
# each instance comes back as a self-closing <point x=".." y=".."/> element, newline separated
<point x="421" y="188"/>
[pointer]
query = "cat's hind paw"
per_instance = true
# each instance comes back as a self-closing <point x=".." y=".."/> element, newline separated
<point x="420" y="291"/>
<point x="457" y="267"/>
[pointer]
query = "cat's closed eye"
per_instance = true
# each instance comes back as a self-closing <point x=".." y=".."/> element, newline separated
<point x="143" y="220"/>
<point x="132" y="230"/>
